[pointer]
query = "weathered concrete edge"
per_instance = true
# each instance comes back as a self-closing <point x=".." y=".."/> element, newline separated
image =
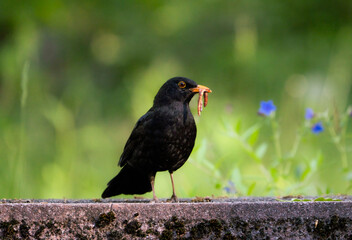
<point x="235" y="219"/>
<point x="245" y="210"/>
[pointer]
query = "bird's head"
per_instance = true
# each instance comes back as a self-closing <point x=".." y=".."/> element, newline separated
<point x="179" y="89"/>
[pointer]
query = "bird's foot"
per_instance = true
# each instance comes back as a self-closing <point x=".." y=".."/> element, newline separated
<point x="155" y="200"/>
<point x="173" y="198"/>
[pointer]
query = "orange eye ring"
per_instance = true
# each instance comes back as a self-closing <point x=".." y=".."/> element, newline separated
<point x="182" y="84"/>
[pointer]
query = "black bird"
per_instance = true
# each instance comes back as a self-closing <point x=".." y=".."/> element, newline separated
<point x="161" y="140"/>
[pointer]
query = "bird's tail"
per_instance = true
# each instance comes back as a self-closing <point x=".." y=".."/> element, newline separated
<point x="129" y="181"/>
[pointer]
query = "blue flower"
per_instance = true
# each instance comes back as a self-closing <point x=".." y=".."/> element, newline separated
<point x="266" y="108"/>
<point x="317" y="128"/>
<point x="309" y="114"/>
<point x="230" y="189"/>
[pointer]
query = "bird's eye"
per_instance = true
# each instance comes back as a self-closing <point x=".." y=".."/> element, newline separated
<point x="182" y="84"/>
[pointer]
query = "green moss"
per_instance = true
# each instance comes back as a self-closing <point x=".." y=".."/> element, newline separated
<point x="133" y="228"/>
<point x="87" y="228"/>
<point x="39" y="232"/>
<point x="152" y="231"/>
<point x="198" y="231"/>
<point x="166" y="235"/>
<point x="24" y="230"/>
<point x="215" y="226"/>
<point x="326" y="228"/>
<point x="50" y="224"/>
<point x="8" y="229"/>
<point x="228" y="236"/>
<point x="105" y="219"/>
<point x="201" y="199"/>
<point x="114" y="235"/>
<point x="175" y="226"/>
<point x="207" y="227"/>
<point x="80" y="237"/>
<point x="52" y="228"/>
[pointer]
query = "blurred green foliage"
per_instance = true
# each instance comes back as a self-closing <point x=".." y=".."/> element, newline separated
<point x="75" y="76"/>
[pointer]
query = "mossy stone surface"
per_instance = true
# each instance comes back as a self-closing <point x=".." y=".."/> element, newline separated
<point x="246" y="218"/>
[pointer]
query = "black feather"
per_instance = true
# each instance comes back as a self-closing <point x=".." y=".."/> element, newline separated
<point x="128" y="181"/>
<point x="161" y="140"/>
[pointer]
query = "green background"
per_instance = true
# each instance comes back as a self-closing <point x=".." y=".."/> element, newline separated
<point x="75" y="76"/>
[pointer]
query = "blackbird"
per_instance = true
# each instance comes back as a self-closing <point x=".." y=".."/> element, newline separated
<point x="161" y="140"/>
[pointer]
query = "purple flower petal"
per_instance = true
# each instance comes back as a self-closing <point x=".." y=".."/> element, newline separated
<point x="309" y="114"/>
<point x="230" y="188"/>
<point x="227" y="189"/>
<point x="266" y="108"/>
<point x="317" y="128"/>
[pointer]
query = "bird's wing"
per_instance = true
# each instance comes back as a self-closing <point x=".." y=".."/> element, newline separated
<point x="136" y="137"/>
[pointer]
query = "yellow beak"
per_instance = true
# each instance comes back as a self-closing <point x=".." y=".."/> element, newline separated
<point x="200" y="88"/>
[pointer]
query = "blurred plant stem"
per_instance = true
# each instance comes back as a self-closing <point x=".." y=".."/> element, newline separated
<point x="276" y="137"/>
<point x="295" y="145"/>
<point x="19" y="175"/>
<point x="339" y="137"/>
<point x="301" y="132"/>
<point x="252" y="153"/>
<point x="208" y="172"/>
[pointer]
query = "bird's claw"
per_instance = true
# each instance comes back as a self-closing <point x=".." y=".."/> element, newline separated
<point x="155" y="200"/>
<point x="173" y="198"/>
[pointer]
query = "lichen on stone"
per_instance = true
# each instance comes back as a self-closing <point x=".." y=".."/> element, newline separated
<point x="105" y="219"/>
<point x="8" y="229"/>
<point x="133" y="228"/>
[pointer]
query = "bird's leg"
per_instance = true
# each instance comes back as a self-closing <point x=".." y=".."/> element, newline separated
<point x="173" y="197"/>
<point x="152" y="179"/>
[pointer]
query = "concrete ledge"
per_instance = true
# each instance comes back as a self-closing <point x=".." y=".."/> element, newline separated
<point x="240" y="218"/>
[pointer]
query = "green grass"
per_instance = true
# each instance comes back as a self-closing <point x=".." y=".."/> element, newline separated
<point x="75" y="77"/>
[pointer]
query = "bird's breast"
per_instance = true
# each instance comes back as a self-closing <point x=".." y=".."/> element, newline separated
<point x="174" y="136"/>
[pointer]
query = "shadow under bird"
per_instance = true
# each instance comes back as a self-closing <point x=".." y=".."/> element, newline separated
<point x="161" y="140"/>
